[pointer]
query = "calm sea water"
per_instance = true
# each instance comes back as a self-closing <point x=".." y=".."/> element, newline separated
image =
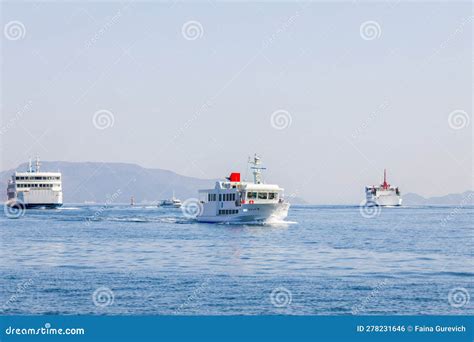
<point x="326" y="260"/>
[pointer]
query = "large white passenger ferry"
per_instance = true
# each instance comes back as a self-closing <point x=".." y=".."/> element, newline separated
<point x="233" y="200"/>
<point x="383" y="195"/>
<point x="32" y="189"/>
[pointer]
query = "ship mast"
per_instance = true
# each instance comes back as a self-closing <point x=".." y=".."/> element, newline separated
<point x="385" y="184"/>
<point x="37" y="164"/>
<point x="257" y="169"/>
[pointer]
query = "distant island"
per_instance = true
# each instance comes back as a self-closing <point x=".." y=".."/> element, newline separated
<point x="465" y="198"/>
<point x="95" y="182"/>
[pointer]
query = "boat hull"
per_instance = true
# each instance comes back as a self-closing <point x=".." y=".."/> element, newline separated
<point x="34" y="205"/>
<point x="384" y="200"/>
<point x="252" y="213"/>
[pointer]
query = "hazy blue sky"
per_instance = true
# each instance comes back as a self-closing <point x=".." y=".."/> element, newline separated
<point x="192" y="88"/>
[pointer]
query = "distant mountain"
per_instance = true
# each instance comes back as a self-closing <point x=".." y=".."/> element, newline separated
<point x="117" y="182"/>
<point x="465" y="198"/>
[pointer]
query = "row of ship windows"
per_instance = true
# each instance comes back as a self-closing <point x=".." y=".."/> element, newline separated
<point x="222" y="197"/>
<point x="37" y="178"/>
<point x="262" y="195"/>
<point x="228" y="211"/>
<point x="250" y="195"/>
<point x="34" y="185"/>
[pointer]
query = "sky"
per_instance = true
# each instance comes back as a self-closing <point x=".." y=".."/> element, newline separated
<point x="329" y="94"/>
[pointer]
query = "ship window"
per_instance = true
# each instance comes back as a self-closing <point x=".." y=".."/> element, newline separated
<point x="251" y="195"/>
<point x="271" y="195"/>
<point x="220" y="197"/>
<point x="262" y="195"/>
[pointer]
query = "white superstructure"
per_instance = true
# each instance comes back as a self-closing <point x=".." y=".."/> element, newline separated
<point x="383" y="195"/>
<point x="33" y="188"/>
<point x="233" y="200"/>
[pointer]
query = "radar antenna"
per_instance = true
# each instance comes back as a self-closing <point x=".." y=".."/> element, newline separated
<point x="257" y="174"/>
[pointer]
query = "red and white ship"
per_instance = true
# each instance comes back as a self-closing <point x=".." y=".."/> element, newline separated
<point x="384" y="194"/>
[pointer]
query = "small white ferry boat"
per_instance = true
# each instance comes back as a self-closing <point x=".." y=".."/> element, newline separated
<point x="173" y="202"/>
<point x="383" y="195"/>
<point x="233" y="200"/>
<point x="34" y="188"/>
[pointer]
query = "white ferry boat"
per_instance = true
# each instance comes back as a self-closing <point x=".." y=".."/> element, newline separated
<point x="233" y="200"/>
<point x="173" y="202"/>
<point x="32" y="189"/>
<point x="383" y="195"/>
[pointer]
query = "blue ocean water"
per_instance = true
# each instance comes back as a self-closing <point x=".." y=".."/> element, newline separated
<point x="326" y="260"/>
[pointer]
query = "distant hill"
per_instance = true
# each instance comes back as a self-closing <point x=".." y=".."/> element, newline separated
<point x="117" y="182"/>
<point x="97" y="182"/>
<point x="465" y="198"/>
